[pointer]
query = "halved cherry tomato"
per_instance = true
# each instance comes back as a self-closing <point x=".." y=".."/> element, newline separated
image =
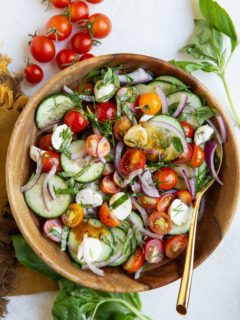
<point x="94" y="1"/>
<point x="185" y="156"/>
<point x="52" y="229"/>
<point x="42" y="48"/>
<point x="121" y="126"/>
<point x="135" y="261"/>
<point x="150" y="102"/>
<point x="165" y="201"/>
<point x="78" y="11"/>
<point x="45" y="142"/>
<point x="101" y="25"/>
<point x="147" y="202"/>
<point x="73" y="216"/>
<point x="154" y="250"/>
<point x="175" y="246"/>
<point x="47" y="160"/>
<point x="59" y="28"/>
<point x="133" y="159"/>
<point x="106" y="216"/>
<point x="60" y="3"/>
<point x="108" y="169"/>
<point x="188" y="129"/>
<point x="159" y="222"/>
<point x="86" y="56"/>
<point x="66" y="58"/>
<point x="75" y="120"/>
<point x="198" y="156"/>
<point x="92" y="145"/>
<point x="81" y="42"/>
<point x="108" y="186"/>
<point x="166" y="178"/>
<point x="185" y="196"/>
<point x="106" y="110"/>
<point x="33" y="73"/>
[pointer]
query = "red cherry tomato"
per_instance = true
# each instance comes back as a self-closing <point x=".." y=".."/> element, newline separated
<point x="78" y="11"/>
<point x="185" y="156"/>
<point x="106" y="110"/>
<point x="45" y="142"/>
<point x="66" y="58"/>
<point x="108" y="169"/>
<point x="165" y="201"/>
<point x="75" y="120"/>
<point x="101" y="25"/>
<point x="60" y="4"/>
<point x="198" y="156"/>
<point x="42" y="48"/>
<point x="107" y="217"/>
<point x="154" y="250"/>
<point x="59" y="28"/>
<point x="52" y="229"/>
<point x="166" y="178"/>
<point x="47" y="160"/>
<point x="135" y="261"/>
<point x="33" y="73"/>
<point x="86" y="56"/>
<point x="175" y="246"/>
<point x="147" y="202"/>
<point x="108" y="186"/>
<point x="159" y="222"/>
<point x="94" y="1"/>
<point x="81" y="42"/>
<point x="133" y="159"/>
<point x="188" y="129"/>
<point x="92" y="145"/>
<point x="185" y="196"/>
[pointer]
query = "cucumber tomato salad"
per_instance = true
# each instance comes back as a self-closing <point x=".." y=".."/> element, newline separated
<point x="119" y="159"/>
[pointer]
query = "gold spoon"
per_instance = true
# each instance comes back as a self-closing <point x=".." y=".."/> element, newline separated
<point x="185" y="287"/>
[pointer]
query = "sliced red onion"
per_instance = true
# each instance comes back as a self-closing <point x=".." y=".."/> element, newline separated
<point x="181" y="106"/>
<point x="46" y="180"/>
<point x="163" y="99"/>
<point x="141" y="210"/>
<point x="49" y="126"/>
<point x="144" y="231"/>
<point x="100" y="148"/>
<point x="150" y="151"/>
<point x="96" y="131"/>
<point x="131" y="176"/>
<point x="108" y="169"/>
<point x="223" y="128"/>
<point x="209" y="151"/>
<point x="136" y="187"/>
<point x="138" y="76"/>
<point x="193" y="184"/>
<point x="147" y="185"/>
<point x="118" y="179"/>
<point x="185" y="176"/>
<point x="216" y="131"/>
<point x="86" y="98"/>
<point x="138" y="273"/>
<point x="117" y="156"/>
<point x="68" y="90"/>
<point x="51" y="190"/>
<point x="38" y="172"/>
<point x="106" y="263"/>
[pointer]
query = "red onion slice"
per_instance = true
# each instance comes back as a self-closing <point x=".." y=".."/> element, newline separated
<point x="148" y="186"/>
<point x="144" y="231"/>
<point x="102" y="264"/>
<point x="181" y="106"/>
<point x="136" y="187"/>
<point x="100" y="148"/>
<point x="117" y="156"/>
<point x="138" y="76"/>
<point x="141" y="210"/>
<point x="131" y="176"/>
<point x="118" y="179"/>
<point x="189" y="183"/>
<point x="96" y="131"/>
<point x="163" y="99"/>
<point x="86" y="98"/>
<point x="49" y="126"/>
<point x="193" y="184"/>
<point x="223" y="128"/>
<point x="209" y="151"/>
<point x="38" y="172"/>
<point x="216" y="131"/>
<point x="45" y="184"/>
<point x="68" y="90"/>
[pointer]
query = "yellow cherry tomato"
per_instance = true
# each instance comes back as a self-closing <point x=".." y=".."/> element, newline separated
<point x="151" y="103"/>
<point x="73" y="216"/>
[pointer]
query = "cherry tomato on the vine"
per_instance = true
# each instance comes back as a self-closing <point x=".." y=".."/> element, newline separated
<point x="166" y="178"/>
<point x="198" y="156"/>
<point x="81" y="42"/>
<point x="106" y="110"/>
<point x="33" y="73"/>
<point x="59" y="28"/>
<point x="101" y="25"/>
<point x="78" y="11"/>
<point x="86" y="56"/>
<point x="42" y="48"/>
<point x="75" y="120"/>
<point x="66" y="58"/>
<point x="60" y="4"/>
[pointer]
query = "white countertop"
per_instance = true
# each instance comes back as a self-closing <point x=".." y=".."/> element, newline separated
<point x="157" y="28"/>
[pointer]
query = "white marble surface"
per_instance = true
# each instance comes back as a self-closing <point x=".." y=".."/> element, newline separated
<point x="157" y="28"/>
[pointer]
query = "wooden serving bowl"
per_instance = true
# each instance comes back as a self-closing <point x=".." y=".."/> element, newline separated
<point x="219" y="211"/>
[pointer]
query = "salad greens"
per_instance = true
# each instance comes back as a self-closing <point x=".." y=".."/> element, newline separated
<point x="213" y="43"/>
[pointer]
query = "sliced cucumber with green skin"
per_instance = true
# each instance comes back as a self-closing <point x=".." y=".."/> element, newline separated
<point x="90" y="173"/>
<point x="138" y="219"/>
<point x="175" y="81"/>
<point x="57" y="207"/>
<point x="126" y="250"/>
<point x="52" y="109"/>
<point x="74" y="166"/>
<point x="167" y="119"/>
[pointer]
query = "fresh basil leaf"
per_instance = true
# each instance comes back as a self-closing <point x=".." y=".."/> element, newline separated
<point x="218" y="18"/>
<point x="203" y="114"/>
<point x="190" y="66"/>
<point x="108" y="76"/>
<point x="177" y="144"/>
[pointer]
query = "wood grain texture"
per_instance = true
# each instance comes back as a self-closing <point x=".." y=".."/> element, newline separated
<point x="220" y="208"/>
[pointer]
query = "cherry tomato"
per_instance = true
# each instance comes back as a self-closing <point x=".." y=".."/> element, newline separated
<point x="175" y="246"/>
<point x="185" y="196"/>
<point x="87" y="89"/>
<point x="86" y="56"/>
<point x="121" y="126"/>
<point x="42" y="48"/>
<point x="108" y="186"/>
<point x="81" y="42"/>
<point x="94" y="1"/>
<point x="52" y="229"/>
<point x="92" y="145"/>
<point x="78" y="11"/>
<point x="59" y="28"/>
<point x="47" y="160"/>
<point x="45" y="142"/>
<point x="66" y="58"/>
<point x="133" y="159"/>
<point x="73" y="216"/>
<point x="150" y="102"/>
<point x="166" y="178"/>
<point x="185" y="156"/>
<point x="154" y="250"/>
<point x="106" y="110"/>
<point x="101" y="25"/>
<point x="198" y="156"/>
<point x="188" y="129"/>
<point x="159" y="222"/>
<point x="108" y="169"/>
<point x="147" y="202"/>
<point x="135" y="261"/>
<point x="165" y="201"/>
<point x="107" y="217"/>
<point x="75" y="120"/>
<point x="60" y="4"/>
<point x="33" y="73"/>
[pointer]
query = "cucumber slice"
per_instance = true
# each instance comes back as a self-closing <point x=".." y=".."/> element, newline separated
<point x="73" y="166"/>
<point x="181" y="229"/>
<point x="53" y="109"/>
<point x="126" y="250"/>
<point x="34" y="199"/>
<point x="167" y="119"/>
<point x="151" y="87"/>
<point x="179" y="85"/>
<point x="90" y="173"/>
<point x="178" y="169"/>
<point x="138" y="235"/>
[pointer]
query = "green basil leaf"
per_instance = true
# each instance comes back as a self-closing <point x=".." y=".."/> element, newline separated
<point x="177" y="144"/>
<point x="190" y="66"/>
<point x="203" y="114"/>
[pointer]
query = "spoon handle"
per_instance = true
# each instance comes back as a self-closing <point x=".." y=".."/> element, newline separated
<point x="185" y="287"/>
